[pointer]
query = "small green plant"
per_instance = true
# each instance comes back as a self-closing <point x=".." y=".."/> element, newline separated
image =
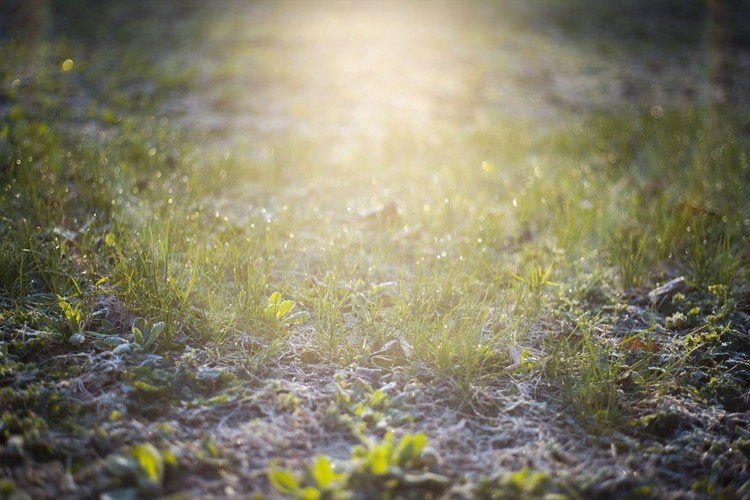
<point x="320" y="481"/>
<point x="72" y="315"/>
<point x="389" y="455"/>
<point x="142" y="464"/>
<point x="536" y="278"/>
<point x="279" y="311"/>
<point x="360" y="406"/>
<point x="145" y="338"/>
<point x="524" y="483"/>
<point x="151" y="336"/>
<point x="376" y="468"/>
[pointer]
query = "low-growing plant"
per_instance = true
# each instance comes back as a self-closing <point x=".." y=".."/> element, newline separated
<point x="376" y="468"/>
<point x="361" y="407"/>
<point x="71" y="314"/>
<point x="279" y="311"/>
<point x="147" y="337"/>
<point x="320" y="481"/>
<point x="536" y="277"/>
<point x="142" y="466"/>
<point x="525" y="483"/>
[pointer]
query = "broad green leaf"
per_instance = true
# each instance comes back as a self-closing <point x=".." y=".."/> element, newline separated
<point x="169" y="459"/>
<point x="274" y="309"/>
<point x="376" y="397"/>
<point x="157" y="329"/>
<point x="270" y="312"/>
<point x="283" y="481"/>
<point x="274" y="299"/>
<point x="143" y="386"/>
<point x="220" y="399"/>
<point x="151" y="464"/>
<point x="298" y="318"/>
<point x="123" y="348"/>
<point x="211" y="448"/>
<point x="113" y="340"/>
<point x="155" y="333"/>
<point x="359" y="451"/>
<point x="76" y="339"/>
<point x="323" y="473"/>
<point x="308" y="493"/>
<point x="379" y="460"/>
<point x="70" y="313"/>
<point x="64" y="305"/>
<point x="409" y="448"/>
<point x="143" y="325"/>
<point x="138" y="335"/>
<point x="284" y="308"/>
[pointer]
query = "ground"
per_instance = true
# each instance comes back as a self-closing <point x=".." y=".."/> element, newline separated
<point x="374" y="249"/>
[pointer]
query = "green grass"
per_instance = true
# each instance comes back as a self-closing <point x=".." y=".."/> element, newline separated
<point x="477" y="251"/>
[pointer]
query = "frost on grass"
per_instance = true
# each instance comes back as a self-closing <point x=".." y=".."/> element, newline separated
<point x="323" y="250"/>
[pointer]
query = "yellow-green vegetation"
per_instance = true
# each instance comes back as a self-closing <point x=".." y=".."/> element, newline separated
<point x="374" y="249"/>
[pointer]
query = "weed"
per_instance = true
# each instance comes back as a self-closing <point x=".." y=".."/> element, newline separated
<point x="536" y="278"/>
<point x="151" y="336"/>
<point x="376" y="468"/>
<point x="360" y="407"/>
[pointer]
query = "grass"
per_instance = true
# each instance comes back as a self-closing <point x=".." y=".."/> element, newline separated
<point x="480" y="250"/>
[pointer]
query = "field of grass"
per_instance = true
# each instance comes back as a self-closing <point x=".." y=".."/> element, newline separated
<point x="374" y="249"/>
